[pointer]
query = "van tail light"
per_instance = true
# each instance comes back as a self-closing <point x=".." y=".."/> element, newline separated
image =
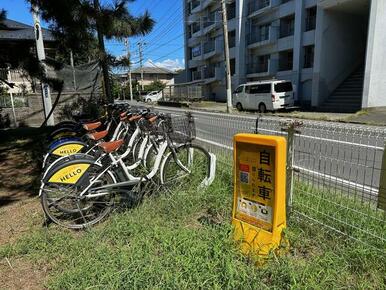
<point x="273" y="98"/>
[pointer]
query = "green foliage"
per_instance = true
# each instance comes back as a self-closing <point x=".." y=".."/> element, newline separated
<point x="155" y="86"/>
<point x="3" y="15"/>
<point x="90" y="108"/>
<point x="183" y="240"/>
<point x="75" y="23"/>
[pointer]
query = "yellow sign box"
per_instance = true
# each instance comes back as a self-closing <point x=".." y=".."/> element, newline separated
<point x="259" y="215"/>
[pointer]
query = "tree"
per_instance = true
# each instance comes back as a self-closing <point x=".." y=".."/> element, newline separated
<point x="75" y="23"/>
<point x="3" y="15"/>
<point x="155" y="86"/>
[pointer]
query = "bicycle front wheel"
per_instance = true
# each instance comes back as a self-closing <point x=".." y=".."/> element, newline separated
<point x="189" y="166"/>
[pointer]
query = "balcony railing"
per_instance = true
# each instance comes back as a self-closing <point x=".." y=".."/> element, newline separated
<point x="213" y="47"/>
<point x="256" y="36"/>
<point x="209" y="72"/>
<point x="195" y="4"/>
<point x="256" y="5"/>
<point x="196" y="75"/>
<point x="209" y="46"/>
<point x="209" y="20"/>
<point x="213" y="73"/>
<point x="206" y="3"/>
<point x="212" y="21"/>
<point x="258" y="67"/>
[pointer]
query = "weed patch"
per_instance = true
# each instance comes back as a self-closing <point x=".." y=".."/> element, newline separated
<point x="183" y="240"/>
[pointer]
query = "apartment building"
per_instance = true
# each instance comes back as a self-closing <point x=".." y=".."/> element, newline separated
<point x="332" y="50"/>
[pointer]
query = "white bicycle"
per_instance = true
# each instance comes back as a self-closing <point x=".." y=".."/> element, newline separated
<point x="80" y="190"/>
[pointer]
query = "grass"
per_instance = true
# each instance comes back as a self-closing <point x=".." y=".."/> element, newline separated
<point x="183" y="240"/>
<point x="347" y="213"/>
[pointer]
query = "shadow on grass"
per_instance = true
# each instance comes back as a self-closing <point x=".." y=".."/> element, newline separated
<point x="21" y="152"/>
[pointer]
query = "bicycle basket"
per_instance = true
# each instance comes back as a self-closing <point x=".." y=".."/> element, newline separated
<point x="145" y="126"/>
<point x="182" y="129"/>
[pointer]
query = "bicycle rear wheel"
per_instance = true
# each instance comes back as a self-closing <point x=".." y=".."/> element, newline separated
<point x="63" y="205"/>
<point x="190" y="166"/>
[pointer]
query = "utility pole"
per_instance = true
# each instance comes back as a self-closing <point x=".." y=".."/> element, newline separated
<point x="127" y="44"/>
<point x="9" y="79"/>
<point x="101" y="44"/>
<point x="73" y="68"/>
<point x="227" y="59"/>
<point x="140" y="50"/>
<point x="46" y="94"/>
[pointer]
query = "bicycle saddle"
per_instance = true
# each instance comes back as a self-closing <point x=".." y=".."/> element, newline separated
<point x="98" y="135"/>
<point x="91" y="126"/>
<point x="111" y="146"/>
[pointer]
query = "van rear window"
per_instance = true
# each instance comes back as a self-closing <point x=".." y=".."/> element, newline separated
<point x="283" y="87"/>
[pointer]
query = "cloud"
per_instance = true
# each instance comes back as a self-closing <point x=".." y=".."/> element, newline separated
<point x="171" y="64"/>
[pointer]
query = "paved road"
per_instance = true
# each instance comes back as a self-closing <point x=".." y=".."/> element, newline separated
<point x="346" y="156"/>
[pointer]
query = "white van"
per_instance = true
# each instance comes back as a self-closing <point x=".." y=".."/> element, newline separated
<point x="264" y="96"/>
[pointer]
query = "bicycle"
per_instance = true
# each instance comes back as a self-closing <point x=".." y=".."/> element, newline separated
<point x="90" y="140"/>
<point x="79" y="191"/>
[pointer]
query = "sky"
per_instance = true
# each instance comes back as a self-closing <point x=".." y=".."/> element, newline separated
<point x="163" y="46"/>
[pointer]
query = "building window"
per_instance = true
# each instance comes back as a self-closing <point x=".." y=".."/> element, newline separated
<point x="211" y="19"/>
<point x="196" y="74"/>
<point x="258" y="33"/>
<point x="195" y="27"/>
<point x="258" y="64"/>
<point x="195" y="3"/>
<point x="256" y="5"/>
<point x="311" y="18"/>
<point x="286" y="60"/>
<point x="231" y="10"/>
<point x="264" y="32"/>
<point x="309" y="56"/>
<point x="233" y="66"/>
<point x="287" y="25"/>
<point x="232" y="38"/>
<point x="285" y="1"/>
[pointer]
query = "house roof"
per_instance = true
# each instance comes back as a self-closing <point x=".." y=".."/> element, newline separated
<point x="15" y="30"/>
<point x="153" y="70"/>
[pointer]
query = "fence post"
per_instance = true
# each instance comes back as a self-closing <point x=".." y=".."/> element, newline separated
<point x="289" y="168"/>
<point x="382" y="184"/>
<point x="290" y="126"/>
<point x="9" y="78"/>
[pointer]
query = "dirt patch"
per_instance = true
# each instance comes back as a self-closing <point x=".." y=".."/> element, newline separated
<point x="20" y="210"/>
<point x="20" y="273"/>
<point x="19" y="184"/>
<point x="19" y="171"/>
<point x="18" y="219"/>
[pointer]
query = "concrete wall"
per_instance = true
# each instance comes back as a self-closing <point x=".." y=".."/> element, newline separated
<point x="339" y="48"/>
<point x="374" y="93"/>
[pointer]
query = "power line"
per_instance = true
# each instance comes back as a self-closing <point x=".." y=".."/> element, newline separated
<point x="164" y="44"/>
<point x="140" y="8"/>
<point x="163" y="55"/>
<point x="167" y="12"/>
<point x="162" y="29"/>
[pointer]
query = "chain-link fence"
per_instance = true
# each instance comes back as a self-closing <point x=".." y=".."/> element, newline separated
<point x="337" y="171"/>
<point x="336" y="168"/>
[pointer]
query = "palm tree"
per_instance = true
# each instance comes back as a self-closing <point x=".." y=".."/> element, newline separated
<point x="3" y="16"/>
<point x="77" y="23"/>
